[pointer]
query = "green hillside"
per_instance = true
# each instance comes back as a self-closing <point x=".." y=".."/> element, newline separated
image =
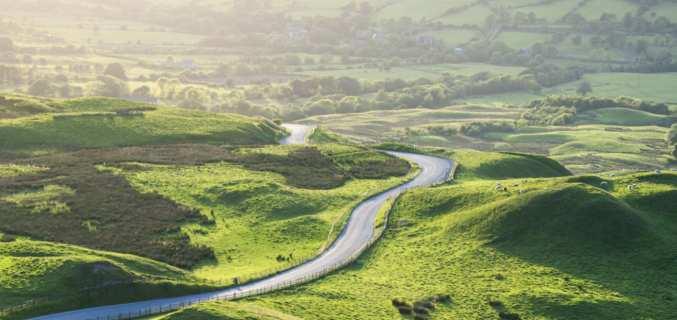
<point x="41" y="277"/>
<point x="262" y="217"/>
<point x="217" y="212"/>
<point x="493" y="165"/>
<point x="519" y="254"/>
<point x="226" y="310"/>
<point x="53" y="125"/>
<point x="528" y="248"/>
<point x="624" y="116"/>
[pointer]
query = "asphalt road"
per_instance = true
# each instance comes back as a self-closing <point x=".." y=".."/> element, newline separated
<point x="355" y="236"/>
<point x="299" y="133"/>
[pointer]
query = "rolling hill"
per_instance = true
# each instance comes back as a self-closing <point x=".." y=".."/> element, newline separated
<point x="533" y="248"/>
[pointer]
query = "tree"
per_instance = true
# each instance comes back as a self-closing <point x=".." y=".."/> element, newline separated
<point x="584" y="88"/>
<point x="320" y="107"/>
<point x="349" y="86"/>
<point x="40" y="87"/>
<point x="116" y="70"/>
<point x="348" y="104"/>
<point x="108" y="86"/>
<point x="6" y="44"/>
<point x="672" y="140"/>
<point x="143" y="93"/>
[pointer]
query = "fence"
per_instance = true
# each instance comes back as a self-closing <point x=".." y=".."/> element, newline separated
<point x="235" y="295"/>
<point x="227" y="295"/>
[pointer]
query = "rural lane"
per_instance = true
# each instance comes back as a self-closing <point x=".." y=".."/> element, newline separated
<point x="355" y="237"/>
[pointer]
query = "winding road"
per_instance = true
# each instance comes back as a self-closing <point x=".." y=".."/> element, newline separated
<point x="356" y="236"/>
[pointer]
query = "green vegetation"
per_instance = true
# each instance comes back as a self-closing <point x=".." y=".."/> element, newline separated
<point x="583" y="147"/>
<point x="41" y="277"/>
<point x="519" y="252"/>
<point x="96" y="123"/>
<point x="12" y="170"/>
<point x="260" y="221"/>
<point x="517" y="237"/>
<point x="628" y="117"/>
<point x="475" y="165"/>
<point x="227" y="310"/>
<point x="672" y="141"/>
<point x="75" y="203"/>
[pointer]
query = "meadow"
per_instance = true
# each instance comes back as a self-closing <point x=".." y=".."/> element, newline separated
<point x="98" y="123"/>
<point x="223" y="206"/>
<point x="600" y="140"/>
<point x="261" y="223"/>
<point x="553" y="214"/>
<point x="512" y="252"/>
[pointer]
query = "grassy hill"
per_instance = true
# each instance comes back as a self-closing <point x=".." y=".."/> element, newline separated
<point x="216" y="212"/>
<point x="603" y="140"/>
<point x="493" y="165"/>
<point x="513" y="254"/>
<point x="262" y="217"/>
<point x="227" y="310"/>
<point x="42" y="277"/>
<point x="624" y="116"/>
<point x="536" y="248"/>
<point x="39" y="125"/>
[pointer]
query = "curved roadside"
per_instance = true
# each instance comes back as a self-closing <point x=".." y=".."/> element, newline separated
<point x="355" y="238"/>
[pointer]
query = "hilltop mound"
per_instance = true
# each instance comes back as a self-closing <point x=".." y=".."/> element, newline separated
<point x="61" y="276"/>
<point x="567" y="216"/>
<point x="102" y="122"/>
<point x="495" y="165"/>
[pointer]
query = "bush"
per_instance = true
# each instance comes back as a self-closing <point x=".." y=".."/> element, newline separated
<point x="508" y="316"/>
<point x="672" y="141"/>
<point x="405" y="310"/>
<point x="548" y="116"/>
<point x="477" y="129"/>
<point x="400" y="303"/>
<point x="7" y="238"/>
<point x="583" y="104"/>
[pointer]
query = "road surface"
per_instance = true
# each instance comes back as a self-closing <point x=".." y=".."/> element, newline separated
<point x="299" y="133"/>
<point x="354" y="239"/>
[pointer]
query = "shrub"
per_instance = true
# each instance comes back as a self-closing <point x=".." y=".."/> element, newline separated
<point x="405" y="310"/>
<point x="672" y="141"/>
<point x="421" y="310"/>
<point x="400" y="303"/>
<point x="583" y="104"/>
<point x="477" y="129"/>
<point x="7" y="238"/>
<point x="548" y="116"/>
<point x="508" y="316"/>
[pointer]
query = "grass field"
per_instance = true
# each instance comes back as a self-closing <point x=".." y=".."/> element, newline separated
<point x="97" y="123"/>
<point x="651" y="87"/>
<point x="413" y="9"/>
<point x="260" y="222"/>
<point x="522" y="40"/>
<point x="624" y="116"/>
<point x="654" y="87"/>
<point x="594" y="8"/>
<point x="476" y="165"/>
<point x="514" y="254"/>
<point x="41" y="277"/>
<point x="473" y="16"/>
<point x="415" y="72"/>
<point x="607" y="139"/>
<point x="217" y="210"/>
